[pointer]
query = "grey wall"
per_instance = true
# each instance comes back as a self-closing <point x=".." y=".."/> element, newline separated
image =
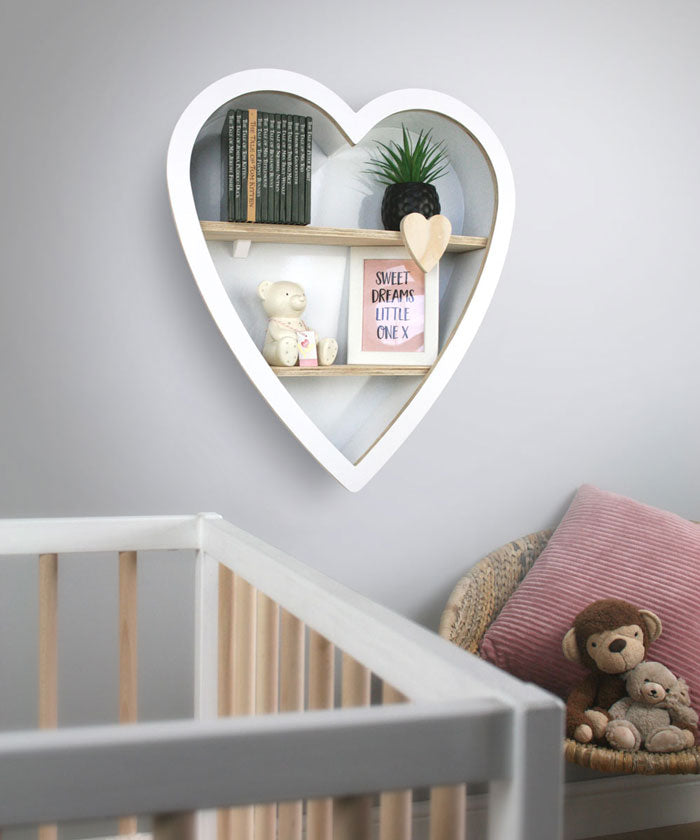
<point x="120" y="396"/>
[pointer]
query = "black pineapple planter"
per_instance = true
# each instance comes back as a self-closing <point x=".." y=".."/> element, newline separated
<point x="410" y="197"/>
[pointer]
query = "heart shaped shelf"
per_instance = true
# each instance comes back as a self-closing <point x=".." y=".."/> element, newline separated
<point x="350" y="423"/>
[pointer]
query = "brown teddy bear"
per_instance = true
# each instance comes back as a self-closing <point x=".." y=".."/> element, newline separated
<point x="656" y="714"/>
<point x="608" y="637"/>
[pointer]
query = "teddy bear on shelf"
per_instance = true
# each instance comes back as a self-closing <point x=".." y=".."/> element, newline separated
<point x="656" y="714"/>
<point x="284" y="303"/>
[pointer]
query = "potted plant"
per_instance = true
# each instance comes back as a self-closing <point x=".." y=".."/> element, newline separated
<point x="409" y="169"/>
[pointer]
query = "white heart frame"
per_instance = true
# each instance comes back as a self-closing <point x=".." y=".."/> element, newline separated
<point x="354" y="125"/>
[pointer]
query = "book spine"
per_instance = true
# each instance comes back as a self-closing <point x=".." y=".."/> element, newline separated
<point x="265" y="189"/>
<point x="302" y="170"/>
<point x="288" y="172"/>
<point x="237" y="203"/>
<point x="270" y="170"/>
<point x="307" y="173"/>
<point x="278" y="162"/>
<point x="251" y="184"/>
<point x="223" y="209"/>
<point x="295" y="171"/>
<point x="283" y="170"/>
<point x="244" y="166"/>
<point x="227" y="183"/>
<point x="258" y="170"/>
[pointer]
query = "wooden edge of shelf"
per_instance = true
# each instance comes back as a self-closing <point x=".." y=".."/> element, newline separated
<point x="306" y="235"/>
<point x="353" y="370"/>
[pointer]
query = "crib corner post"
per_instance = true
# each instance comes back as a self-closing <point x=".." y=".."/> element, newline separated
<point x="530" y="802"/>
<point x="206" y="600"/>
<point x="206" y="606"/>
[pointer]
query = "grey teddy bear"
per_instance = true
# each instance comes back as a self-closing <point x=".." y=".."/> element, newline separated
<point x="656" y="713"/>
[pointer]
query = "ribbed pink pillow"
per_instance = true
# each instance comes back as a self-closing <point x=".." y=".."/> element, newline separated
<point x="607" y="546"/>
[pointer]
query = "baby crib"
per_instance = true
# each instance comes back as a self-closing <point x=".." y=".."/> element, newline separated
<point x="271" y="751"/>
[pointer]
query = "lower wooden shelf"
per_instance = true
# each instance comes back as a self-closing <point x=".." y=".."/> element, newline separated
<point x="353" y="370"/>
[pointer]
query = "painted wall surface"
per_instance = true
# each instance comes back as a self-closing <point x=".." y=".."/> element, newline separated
<point x="119" y="395"/>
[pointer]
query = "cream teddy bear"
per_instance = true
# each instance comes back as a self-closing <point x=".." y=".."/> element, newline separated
<point x="656" y="713"/>
<point x="284" y="303"/>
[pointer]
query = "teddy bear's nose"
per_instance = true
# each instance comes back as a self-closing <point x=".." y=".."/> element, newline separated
<point x="617" y="645"/>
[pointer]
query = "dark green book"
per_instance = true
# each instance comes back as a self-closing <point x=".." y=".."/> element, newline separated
<point x="288" y="172"/>
<point x="271" y="171"/>
<point x="307" y="172"/>
<point x="283" y="171"/>
<point x="277" y="168"/>
<point x="264" y="191"/>
<point x="227" y="167"/>
<point x="237" y="203"/>
<point x="244" y="166"/>
<point x="295" y="170"/>
<point x="302" y="169"/>
<point x="258" y="170"/>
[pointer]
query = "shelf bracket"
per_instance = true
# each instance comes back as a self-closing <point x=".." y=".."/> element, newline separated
<point x="240" y="248"/>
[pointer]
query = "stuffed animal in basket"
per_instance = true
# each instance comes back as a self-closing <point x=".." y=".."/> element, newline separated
<point x="287" y="335"/>
<point x="678" y="705"/>
<point x="608" y="637"/>
<point x="656" y="714"/>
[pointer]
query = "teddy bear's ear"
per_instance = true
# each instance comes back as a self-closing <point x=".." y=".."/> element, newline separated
<point x="653" y="624"/>
<point x="569" y="646"/>
<point x="262" y="289"/>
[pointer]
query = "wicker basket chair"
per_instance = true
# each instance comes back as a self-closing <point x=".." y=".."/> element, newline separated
<point x="475" y="602"/>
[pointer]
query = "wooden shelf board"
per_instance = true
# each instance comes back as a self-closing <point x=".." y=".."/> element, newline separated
<point x="353" y="370"/>
<point x="305" y="235"/>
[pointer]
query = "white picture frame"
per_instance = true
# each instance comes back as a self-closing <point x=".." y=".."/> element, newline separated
<point x="384" y="312"/>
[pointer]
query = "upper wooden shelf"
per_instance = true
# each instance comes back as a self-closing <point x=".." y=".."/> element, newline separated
<point x="305" y="235"/>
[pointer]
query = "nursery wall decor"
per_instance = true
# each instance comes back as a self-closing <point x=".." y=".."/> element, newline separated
<point x="351" y="417"/>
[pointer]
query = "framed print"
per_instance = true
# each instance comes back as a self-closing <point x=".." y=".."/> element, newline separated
<point x="392" y="309"/>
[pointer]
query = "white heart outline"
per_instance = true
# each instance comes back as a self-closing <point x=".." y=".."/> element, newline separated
<point x="354" y="124"/>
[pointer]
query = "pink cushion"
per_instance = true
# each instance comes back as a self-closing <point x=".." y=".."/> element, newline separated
<point x="607" y="546"/>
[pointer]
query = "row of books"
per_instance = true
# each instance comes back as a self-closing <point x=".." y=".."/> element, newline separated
<point x="266" y="167"/>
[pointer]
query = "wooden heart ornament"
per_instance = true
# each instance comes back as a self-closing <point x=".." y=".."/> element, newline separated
<point x="426" y="239"/>
<point x="351" y="418"/>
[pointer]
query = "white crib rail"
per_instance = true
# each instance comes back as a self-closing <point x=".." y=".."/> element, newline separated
<point x="465" y="721"/>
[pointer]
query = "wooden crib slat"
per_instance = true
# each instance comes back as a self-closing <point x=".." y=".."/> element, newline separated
<point x="225" y="674"/>
<point x="356" y="683"/>
<point x="290" y="815"/>
<point x="266" y="694"/>
<point x="128" y="653"/>
<point x="319" y="812"/>
<point x="48" y="655"/>
<point x="244" y="603"/>
<point x="395" y="807"/>
<point x="48" y="648"/>
<point x="128" y="637"/>
<point x="352" y="815"/>
<point x="291" y="663"/>
<point x="448" y="813"/>
<point x="267" y="656"/>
